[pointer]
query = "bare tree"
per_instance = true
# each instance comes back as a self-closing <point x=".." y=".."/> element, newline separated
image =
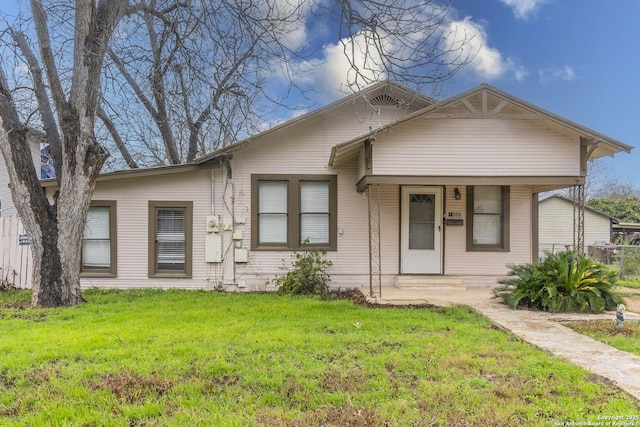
<point x="602" y="182"/>
<point x="68" y="114"/>
<point x="182" y="77"/>
<point x="202" y="73"/>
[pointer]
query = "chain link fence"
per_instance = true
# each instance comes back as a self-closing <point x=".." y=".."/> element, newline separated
<point x="625" y="259"/>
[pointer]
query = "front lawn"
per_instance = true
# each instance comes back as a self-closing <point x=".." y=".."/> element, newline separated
<point x="163" y="358"/>
<point x="606" y="331"/>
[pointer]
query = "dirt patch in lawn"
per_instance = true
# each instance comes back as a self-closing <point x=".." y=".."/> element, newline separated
<point x="606" y="328"/>
<point x="631" y="298"/>
<point x="356" y="295"/>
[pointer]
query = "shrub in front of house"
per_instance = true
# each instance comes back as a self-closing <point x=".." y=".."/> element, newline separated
<point x="307" y="276"/>
<point x="562" y="282"/>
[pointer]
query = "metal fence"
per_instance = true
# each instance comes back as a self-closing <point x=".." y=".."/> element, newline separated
<point x="625" y="259"/>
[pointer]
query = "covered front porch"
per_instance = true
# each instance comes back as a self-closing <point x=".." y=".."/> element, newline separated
<point x="450" y="236"/>
<point x="452" y="189"/>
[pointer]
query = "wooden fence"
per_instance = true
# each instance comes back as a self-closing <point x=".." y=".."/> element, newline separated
<point x="15" y="253"/>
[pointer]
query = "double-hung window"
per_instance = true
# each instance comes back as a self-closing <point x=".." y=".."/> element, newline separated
<point x="99" y="240"/>
<point x="293" y="211"/>
<point x="488" y="218"/>
<point x="170" y="236"/>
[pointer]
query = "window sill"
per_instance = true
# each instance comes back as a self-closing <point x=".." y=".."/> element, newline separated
<point x="288" y="249"/>
<point x="487" y="249"/>
<point x="168" y="275"/>
<point x="98" y="274"/>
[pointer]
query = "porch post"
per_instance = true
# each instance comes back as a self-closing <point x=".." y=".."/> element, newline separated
<point x="578" y="194"/>
<point x="375" y="273"/>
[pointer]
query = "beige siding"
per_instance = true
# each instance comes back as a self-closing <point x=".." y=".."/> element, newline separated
<point x="475" y="147"/>
<point x="132" y="197"/>
<point x="556" y="225"/>
<point x="351" y="260"/>
<point x="460" y="262"/>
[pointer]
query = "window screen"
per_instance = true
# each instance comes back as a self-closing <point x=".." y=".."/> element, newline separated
<point x="314" y="212"/>
<point x="273" y="211"/>
<point x="96" y="243"/>
<point x="171" y="239"/>
<point x="487" y="215"/>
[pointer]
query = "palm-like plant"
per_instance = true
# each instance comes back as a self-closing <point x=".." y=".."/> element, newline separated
<point x="566" y="281"/>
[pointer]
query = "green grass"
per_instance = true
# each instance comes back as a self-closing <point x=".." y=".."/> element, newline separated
<point x="176" y="358"/>
<point x="606" y="331"/>
<point x="630" y="283"/>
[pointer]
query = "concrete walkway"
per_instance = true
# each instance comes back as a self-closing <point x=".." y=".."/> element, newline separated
<point x="543" y="330"/>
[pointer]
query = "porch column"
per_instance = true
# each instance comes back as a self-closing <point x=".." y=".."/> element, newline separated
<point x="375" y="267"/>
<point x="578" y="195"/>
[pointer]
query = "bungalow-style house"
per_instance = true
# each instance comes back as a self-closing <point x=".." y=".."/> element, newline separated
<point x="556" y="225"/>
<point x="394" y="186"/>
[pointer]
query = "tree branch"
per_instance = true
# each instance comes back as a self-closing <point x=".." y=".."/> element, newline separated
<point x="40" y="90"/>
<point x="113" y="131"/>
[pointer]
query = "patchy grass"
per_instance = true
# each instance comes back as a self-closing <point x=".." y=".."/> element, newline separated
<point x="629" y="283"/>
<point x="631" y="297"/>
<point x="606" y="331"/>
<point x="174" y="358"/>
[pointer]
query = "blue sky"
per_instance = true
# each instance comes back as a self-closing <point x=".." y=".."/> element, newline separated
<point x="575" y="58"/>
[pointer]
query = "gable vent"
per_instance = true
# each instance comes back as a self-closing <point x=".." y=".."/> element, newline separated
<point x="384" y="99"/>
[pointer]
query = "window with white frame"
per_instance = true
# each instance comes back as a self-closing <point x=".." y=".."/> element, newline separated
<point x="99" y="240"/>
<point x="292" y="211"/>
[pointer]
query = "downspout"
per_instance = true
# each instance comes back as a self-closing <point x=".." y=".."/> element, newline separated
<point x="213" y="192"/>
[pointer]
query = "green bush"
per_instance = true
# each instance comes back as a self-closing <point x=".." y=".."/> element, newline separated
<point x="307" y="276"/>
<point x="562" y="282"/>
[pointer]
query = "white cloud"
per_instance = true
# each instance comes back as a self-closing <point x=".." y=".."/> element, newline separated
<point x="332" y="73"/>
<point x="487" y="63"/>
<point x="522" y="9"/>
<point x="564" y="72"/>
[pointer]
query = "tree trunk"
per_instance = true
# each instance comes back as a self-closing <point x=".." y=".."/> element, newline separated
<point x="56" y="227"/>
<point x="52" y="288"/>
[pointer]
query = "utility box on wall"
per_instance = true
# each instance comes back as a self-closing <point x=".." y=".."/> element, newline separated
<point x="241" y="255"/>
<point x="213" y="248"/>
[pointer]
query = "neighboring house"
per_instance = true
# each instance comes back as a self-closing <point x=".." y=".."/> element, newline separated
<point x="556" y="228"/>
<point x="390" y="183"/>
<point x="15" y="258"/>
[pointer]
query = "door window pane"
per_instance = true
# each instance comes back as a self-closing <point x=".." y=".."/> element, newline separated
<point x="422" y="212"/>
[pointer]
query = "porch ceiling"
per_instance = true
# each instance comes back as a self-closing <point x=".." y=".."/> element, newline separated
<point x="537" y="183"/>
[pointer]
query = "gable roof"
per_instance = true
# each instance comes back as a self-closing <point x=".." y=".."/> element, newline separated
<point x="486" y="101"/>
<point x="564" y="199"/>
<point x="386" y="89"/>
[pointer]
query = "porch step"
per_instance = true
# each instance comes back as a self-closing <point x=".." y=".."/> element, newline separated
<point x="406" y="281"/>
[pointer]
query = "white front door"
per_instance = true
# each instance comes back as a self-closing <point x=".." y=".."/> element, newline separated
<point x="421" y="230"/>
